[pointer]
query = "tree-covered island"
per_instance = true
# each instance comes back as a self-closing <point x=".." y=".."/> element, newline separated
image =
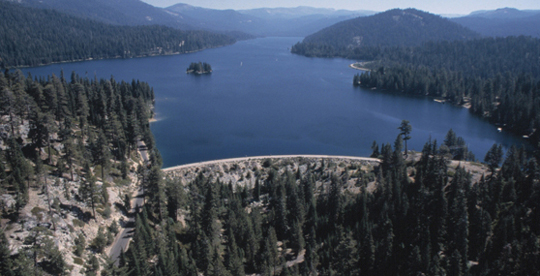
<point x="199" y="68"/>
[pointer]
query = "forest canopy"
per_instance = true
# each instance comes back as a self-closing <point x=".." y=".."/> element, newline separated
<point x="31" y="37"/>
<point x="495" y="78"/>
<point x="400" y="217"/>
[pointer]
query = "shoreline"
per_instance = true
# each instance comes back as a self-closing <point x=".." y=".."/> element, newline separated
<point x="262" y="157"/>
<point x="359" y="66"/>
<point x="116" y="57"/>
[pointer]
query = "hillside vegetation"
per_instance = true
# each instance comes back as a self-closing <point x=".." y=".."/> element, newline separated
<point x="396" y="27"/>
<point x="299" y="21"/>
<point x="324" y="216"/>
<point x="118" y="12"/>
<point x="31" y="37"/>
<point x="495" y="78"/>
<point x="68" y="162"/>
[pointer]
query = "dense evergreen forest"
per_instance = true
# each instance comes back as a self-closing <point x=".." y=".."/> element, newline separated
<point x="31" y="37"/>
<point x="404" y="217"/>
<point x="496" y="78"/>
<point x="94" y="121"/>
<point x="199" y="68"/>
<point x="80" y="133"/>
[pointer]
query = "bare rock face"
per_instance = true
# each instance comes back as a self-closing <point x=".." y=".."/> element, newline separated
<point x="67" y="217"/>
<point x="246" y="171"/>
<point x="8" y="200"/>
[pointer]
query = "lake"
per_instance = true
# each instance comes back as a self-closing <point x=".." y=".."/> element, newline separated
<point x="263" y="100"/>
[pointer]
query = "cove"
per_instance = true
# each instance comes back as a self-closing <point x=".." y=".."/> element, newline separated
<point x="263" y="100"/>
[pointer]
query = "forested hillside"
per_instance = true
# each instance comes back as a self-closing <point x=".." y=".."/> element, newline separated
<point x="300" y="21"/>
<point x="396" y="27"/>
<point x="418" y="216"/>
<point x="69" y="152"/>
<point x="30" y="37"/>
<point x="496" y="78"/>
<point x="118" y="12"/>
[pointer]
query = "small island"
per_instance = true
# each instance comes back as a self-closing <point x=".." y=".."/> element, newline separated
<point x="199" y="68"/>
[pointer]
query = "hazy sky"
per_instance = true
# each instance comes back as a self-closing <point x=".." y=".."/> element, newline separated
<point x="433" y="6"/>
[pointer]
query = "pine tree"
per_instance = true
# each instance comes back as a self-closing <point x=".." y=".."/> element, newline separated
<point x="91" y="267"/>
<point x="110" y="269"/>
<point x="375" y="148"/>
<point x="458" y="219"/>
<point x="102" y="153"/>
<point x="405" y="129"/>
<point x="5" y="253"/>
<point x="80" y="245"/>
<point x="100" y="242"/>
<point x="70" y="154"/>
<point x="209" y="222"/>
<point x="270" y="254"/>
<point x="89" y="191"/>
<point x="21" y="171"/>
<point x="345" y="257"/>
<point x="234" y="255"/>
<point x="23" y="266"/>
<point x="53" y="261"/>
<point x="494" y="157"/>
<point x="175" y="197"/>
<point x="155" y="191"/>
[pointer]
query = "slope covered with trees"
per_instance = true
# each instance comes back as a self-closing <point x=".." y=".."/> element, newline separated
<point x="68" y="146"/>
<point x="119" y="12"/>
<point x="396" y="27"/>
<point x="496" y="78"/>
<point x="91" y="121"/>
<point x="30" y="37"/>
<point x="301" y="217"/>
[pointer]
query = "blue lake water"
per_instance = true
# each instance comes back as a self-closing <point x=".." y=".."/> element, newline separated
<point x="263" y="100"/>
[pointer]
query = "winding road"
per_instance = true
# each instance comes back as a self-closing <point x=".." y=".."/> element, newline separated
<point x="122" y="239"/>
<point x="121" y="242"/>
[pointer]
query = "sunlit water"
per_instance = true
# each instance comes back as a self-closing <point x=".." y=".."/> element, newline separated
<point x="263" y="100"/>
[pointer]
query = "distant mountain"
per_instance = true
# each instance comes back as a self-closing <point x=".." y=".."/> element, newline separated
<point x="396" y="27"/>
<point x="504" y="13"/>
<point x="219" y="20"/>
<point x="118" y="12"/>
<point x="503" y="22"/>
<point x="299" y="21"/>
<point x="290" y="13"/>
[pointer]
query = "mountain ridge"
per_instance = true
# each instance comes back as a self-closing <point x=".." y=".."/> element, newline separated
<point x="120" y="12"/>
<point x="299" y="21"/>
<point x="409" y="27"/>
<point x="32" y="37"/>
<point x="503" y="22"/>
